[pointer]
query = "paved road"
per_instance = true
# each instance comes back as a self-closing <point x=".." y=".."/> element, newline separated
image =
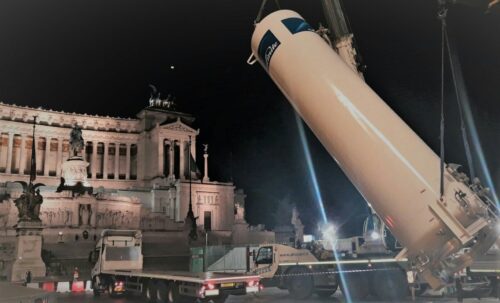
<point x="267" y="296"/>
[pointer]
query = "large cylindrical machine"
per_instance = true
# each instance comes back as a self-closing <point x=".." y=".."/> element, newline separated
<point x="394" y="170"/>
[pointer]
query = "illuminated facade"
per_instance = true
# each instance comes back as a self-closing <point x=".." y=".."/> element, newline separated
<point x="145" y="159"/>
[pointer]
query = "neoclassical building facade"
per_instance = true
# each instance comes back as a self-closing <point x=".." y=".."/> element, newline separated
<point x="149" y="158"/>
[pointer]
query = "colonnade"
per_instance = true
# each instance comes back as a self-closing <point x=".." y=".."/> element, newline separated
<point x="15" y="156"/>
<point x="168" y="151"/>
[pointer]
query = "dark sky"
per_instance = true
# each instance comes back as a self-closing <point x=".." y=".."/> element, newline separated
<point x="98" y="57"/>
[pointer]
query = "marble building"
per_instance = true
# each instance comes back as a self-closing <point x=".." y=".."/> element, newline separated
<point x="141" y="161"/>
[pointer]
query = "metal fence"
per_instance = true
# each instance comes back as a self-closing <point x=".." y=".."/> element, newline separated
<point x="222" y="258"/>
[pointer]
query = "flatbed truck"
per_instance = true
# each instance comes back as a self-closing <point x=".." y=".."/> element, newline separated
<point x="118" y="269"/>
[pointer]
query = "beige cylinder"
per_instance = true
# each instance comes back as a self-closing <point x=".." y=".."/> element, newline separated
<point x="394" y="170"/>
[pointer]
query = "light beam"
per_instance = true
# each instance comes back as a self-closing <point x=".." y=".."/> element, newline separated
<point x="318" y="197"/>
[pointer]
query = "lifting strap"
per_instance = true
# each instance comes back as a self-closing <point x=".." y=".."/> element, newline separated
<point x="455" y="69"/>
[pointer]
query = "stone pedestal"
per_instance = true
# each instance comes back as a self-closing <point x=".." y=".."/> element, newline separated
<point x="74" y="171"/>
<point x="28" y="251"/>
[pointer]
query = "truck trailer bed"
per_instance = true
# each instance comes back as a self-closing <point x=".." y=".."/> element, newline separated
<point x="185" y="276"/>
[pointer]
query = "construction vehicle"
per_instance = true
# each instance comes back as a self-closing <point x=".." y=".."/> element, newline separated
<point x="433" y="215"/>
<point x="119" y="269"/>
<point x="363" y="264"/>
<point x="318" y="267"/>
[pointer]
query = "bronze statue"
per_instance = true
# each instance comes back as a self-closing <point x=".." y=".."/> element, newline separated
<point x="76" y="140"/>
<point x="30" y="201"/>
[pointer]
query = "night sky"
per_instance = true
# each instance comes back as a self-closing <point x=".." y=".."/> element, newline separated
<point x="98" y="57"/>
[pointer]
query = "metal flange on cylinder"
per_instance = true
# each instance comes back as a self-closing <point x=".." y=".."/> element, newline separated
<point x="394" y="170"/>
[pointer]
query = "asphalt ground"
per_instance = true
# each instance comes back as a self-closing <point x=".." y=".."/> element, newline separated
<point x="270" y="295"/>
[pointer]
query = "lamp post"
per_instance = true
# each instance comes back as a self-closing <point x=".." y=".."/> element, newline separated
<point x="190" y="219"/>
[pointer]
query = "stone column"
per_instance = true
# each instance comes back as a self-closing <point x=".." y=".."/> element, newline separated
<point x="161" y="157"/>
<point x="10" y="148"/>
<point x="35" y="146"/>
<point x="205" y="172"/>
<point x="47" y="153"/>
<point x="193" y="149"/>
<point x="140" y="155"/>
<point x="59" y="156"/>
<point x="117" y="160"/>
<point x="22" y="158"/>
<point x="127" y="162"/>
<point x="182" y="159"/>
<point x="94" y="159"/>
<point x="171" y="160"/>
<point x="105" y="162"/>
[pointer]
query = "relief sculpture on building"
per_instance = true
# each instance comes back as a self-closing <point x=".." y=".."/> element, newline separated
<point x="85" y="213"/>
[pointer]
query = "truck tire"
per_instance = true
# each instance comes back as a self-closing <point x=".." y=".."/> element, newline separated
<point x="300" y="282"/>
<point x="162" y="292"/>
<point x="323" y="294"/>
<point x="326" y="293"/>
<point x="173" y="295"/>
<point x="357" y="286"/>
<point x="111" y="288"/>
<point x="150" y="292"/>
<point x="96" y="288"/>
<point x="390" y="285"/>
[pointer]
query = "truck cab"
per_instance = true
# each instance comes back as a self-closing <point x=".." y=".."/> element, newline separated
<point x="116" y="250"/>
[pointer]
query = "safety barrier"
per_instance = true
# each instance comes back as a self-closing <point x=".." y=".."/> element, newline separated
<point x="62" y="286"/>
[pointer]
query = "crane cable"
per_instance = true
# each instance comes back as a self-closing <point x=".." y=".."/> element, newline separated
<point x="445" y="46"/>
<point x="442" y="16"/>
<point x="463" y="129"/>
<point x="261" y="10"/>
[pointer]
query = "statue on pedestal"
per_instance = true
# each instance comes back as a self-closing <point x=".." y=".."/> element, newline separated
<point x="28" y="256"/>
<point x="76" y="141"/>
<point x="74" y="170"/>
<point x="239" y="213"/>
<point x="29" y="203"/>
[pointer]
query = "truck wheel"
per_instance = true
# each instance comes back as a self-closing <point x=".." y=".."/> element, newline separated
<point x="111" y="289"/>
<point x="390" y="285"/>
<point x="300" y="283"/>
<point x="495" y="287"/>
<point x="95" y="288"/>
<point x="162" y="292"/>
<point x="357" y="286"/>
<point x="173" y="295"/>
<point x="326" y="293"/>
<point x="150" y="292"/>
